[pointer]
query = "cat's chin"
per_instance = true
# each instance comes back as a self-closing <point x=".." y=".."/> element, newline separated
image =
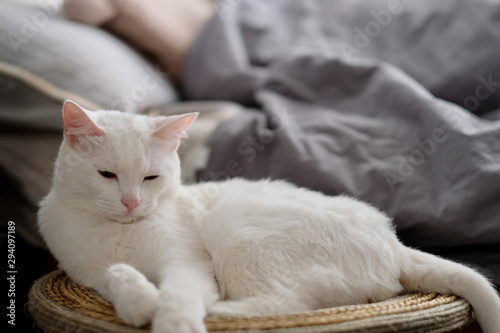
<point x="121" y="219"/>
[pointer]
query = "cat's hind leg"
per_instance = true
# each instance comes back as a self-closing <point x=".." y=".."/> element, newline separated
<point x="262" y="305"/>
<point x="242" y="308"/>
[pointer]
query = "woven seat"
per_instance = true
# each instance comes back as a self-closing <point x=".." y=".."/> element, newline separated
<point x="59" y="305"/>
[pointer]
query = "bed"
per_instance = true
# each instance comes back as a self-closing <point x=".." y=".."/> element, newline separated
<point x="394" y="102"/>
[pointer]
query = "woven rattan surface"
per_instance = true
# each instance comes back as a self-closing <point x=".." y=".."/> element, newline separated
<point x="59" y="305"/>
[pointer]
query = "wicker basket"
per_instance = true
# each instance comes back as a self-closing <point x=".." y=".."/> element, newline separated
<point x="59" y="305"/>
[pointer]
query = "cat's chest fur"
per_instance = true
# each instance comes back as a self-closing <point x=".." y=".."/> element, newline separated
<point x="93" y="244"/>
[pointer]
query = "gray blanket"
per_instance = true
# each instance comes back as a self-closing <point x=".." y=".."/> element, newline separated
<point x="394" y="102"/>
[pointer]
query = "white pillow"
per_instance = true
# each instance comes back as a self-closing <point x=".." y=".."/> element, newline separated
<point x="74" y="60"/>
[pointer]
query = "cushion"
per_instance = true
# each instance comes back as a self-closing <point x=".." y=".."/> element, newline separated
<point x="60" y="305"/>
<point x="64" y="59"/>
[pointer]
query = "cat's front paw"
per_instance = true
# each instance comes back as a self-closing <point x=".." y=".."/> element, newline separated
<point x="179" y="316"/>
<point x="135" y="298"/>
<point x="178" y="323"/>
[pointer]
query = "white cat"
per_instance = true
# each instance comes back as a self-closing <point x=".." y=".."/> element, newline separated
<point x="119" y="220"/>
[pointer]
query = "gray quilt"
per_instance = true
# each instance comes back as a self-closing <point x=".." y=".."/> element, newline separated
<point x="394" y="102"/>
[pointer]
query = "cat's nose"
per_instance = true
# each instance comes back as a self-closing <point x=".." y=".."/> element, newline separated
<point x="131" y="203"/>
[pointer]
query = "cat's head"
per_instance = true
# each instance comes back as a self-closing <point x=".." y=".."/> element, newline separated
<point x="118" y="166"/>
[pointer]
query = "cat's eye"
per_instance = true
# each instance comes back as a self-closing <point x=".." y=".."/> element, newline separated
<point x="107" y="174"/>
<point x="151" y="177"/>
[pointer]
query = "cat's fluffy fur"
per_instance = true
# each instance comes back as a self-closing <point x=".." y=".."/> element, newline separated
<point x="172" y="254"/>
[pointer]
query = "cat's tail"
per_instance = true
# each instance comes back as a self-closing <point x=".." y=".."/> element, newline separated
<point x="426" y="272"/>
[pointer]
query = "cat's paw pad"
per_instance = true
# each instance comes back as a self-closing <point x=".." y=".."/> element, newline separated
<point x="135" y="298"/>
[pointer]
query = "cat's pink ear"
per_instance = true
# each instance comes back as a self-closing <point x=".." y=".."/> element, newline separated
<point x="173" y="128"/>
<point x="77" y="123"/>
